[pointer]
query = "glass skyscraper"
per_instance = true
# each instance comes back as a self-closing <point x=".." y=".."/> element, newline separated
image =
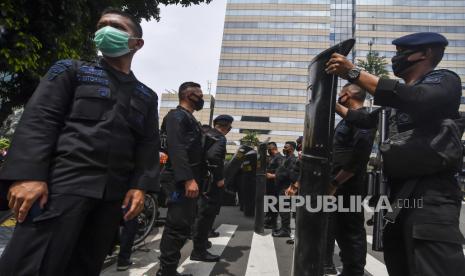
<point x="268" y="44"/>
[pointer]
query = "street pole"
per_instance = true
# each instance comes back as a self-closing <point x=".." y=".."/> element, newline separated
<point x="260" y="189"/>
<point x="311" y="227"/>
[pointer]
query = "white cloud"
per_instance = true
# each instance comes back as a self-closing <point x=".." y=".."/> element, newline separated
<point x="184" y="46"/>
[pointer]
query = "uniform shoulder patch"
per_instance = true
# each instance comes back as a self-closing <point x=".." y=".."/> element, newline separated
<point x="433" y="79"/>
<point x="58" y="68"/>
<point x="92" y="71"/>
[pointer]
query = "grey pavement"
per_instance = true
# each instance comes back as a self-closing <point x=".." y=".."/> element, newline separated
<point x="242" y="251"/>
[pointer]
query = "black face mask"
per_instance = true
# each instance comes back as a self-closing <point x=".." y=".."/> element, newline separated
<point x="400" y="61"/>
<point x="198" y="103"/>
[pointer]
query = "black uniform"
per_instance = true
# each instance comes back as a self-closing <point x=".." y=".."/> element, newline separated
<point x="284" y="178"/>
<point x="185" y="162"/>
<point x="210" y="203"/>
<point x="352" y="147"/>
<point x="424" y="241"/>
<point x="271" y="188"/>
<point x="90" y="132"/>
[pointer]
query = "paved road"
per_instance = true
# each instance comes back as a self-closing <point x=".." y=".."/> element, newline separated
<point x="243" y="252"/>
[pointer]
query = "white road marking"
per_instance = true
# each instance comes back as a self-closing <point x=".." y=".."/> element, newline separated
<point x="375" y="267"/>
<point x="218" y="245"/>
<point x="262" y="257"/>
<point x="143" y="261"/>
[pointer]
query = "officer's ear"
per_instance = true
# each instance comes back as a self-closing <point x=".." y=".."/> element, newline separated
<point x="420" y="55"/>
<point x="139" y="43"/>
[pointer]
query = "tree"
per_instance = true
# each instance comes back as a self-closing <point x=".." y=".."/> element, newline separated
<point x="35" y="34"/>
<point x="374" y="64"/>
<point x="250" y="139"/>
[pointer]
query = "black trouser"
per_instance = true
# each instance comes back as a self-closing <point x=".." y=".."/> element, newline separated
<point x="72" y="236"/>
<point x="271" y="190"/>
<point x="127" y="237"/>
<point x="209" y="207"/>
<point x="348" y="229"/>
<point x="178" y="228"/>
<point x="203" y="224"/>
<point x="351" y="238"/>
<point x="330" y="240"/>
<point x="425" y="241"/>
<point x="285" y="216"/>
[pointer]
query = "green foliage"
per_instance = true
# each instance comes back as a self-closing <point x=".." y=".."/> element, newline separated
<point x="228" y="156"/>
<point x="250" y="139"/>
<point x="35" y="34"/>
<point x="4" y="143"/>
<point x="374" y="64"/>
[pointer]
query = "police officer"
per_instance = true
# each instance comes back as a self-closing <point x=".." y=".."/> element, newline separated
<point x="87" y="140"/>
<point x="275" y="159"/>
<point x="283" y="180"/>
<point x="210" y="201"/>
<point x="183" y="174"/>
<point x="422" y="241"/>
<point x="351" y="151"/>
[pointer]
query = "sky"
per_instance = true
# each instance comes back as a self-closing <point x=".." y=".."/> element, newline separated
<point x="184" y="45"/>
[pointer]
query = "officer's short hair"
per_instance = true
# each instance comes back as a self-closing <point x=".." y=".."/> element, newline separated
<point x="438" y="52"/>
<point x="358" y="93"/>
<point x="292" y="144"/>
<point x="184" y="87"/>
<point x="137" y="28"/>
<point x="273" y="144"/>
<point x="223" y="123"/>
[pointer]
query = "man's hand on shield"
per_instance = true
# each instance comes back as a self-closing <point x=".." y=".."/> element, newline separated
<point x="339" y="65"/>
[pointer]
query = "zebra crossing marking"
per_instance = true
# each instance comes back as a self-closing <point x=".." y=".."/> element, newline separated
<point x="262" y="256"/>
<point x="218" y="245"/>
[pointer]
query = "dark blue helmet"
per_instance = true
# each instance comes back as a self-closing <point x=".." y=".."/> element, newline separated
<point x="223" y="117"/>
<point x="419" y="39"/>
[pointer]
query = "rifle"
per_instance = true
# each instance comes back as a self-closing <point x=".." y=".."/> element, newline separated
<point x="380" y="187"/>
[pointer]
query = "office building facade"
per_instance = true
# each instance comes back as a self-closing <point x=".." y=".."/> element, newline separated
<point x="268" y="44"/>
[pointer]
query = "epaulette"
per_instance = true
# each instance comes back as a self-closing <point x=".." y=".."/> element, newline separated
<point x="436" y="76"/>
<point x="58" y="68"/>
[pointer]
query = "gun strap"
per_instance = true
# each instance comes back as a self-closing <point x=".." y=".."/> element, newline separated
<point x="404" y="193"/>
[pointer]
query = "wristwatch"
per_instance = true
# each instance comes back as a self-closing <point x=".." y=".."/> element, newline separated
<point x="354" y="74"/>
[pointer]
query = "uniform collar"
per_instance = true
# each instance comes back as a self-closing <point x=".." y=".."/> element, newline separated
<point x="422" y="78"/>
<point x="180" y="107"/>
<point x="120" y="76"/>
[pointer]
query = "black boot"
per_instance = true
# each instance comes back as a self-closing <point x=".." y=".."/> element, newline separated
<point x="204" y="256"/>
<point x="161" y="272"/>
<point x="282" y="233"/>
<point x="213" y="234"/>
